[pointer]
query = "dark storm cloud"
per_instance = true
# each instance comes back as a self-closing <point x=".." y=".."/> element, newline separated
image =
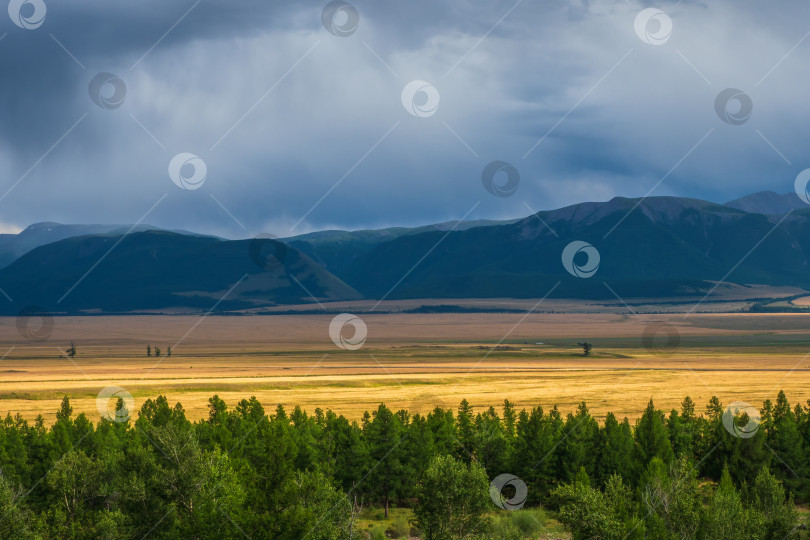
<point x="41" y="79"/>
<point x="283" y="112"/>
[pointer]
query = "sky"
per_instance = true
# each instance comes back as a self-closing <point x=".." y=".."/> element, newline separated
<point x="241" y="118"/>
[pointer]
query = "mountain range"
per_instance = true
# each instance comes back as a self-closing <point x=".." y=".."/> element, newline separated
<point x="652" y="248"/>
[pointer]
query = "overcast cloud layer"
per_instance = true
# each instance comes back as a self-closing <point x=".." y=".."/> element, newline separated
<point x="301" y="129"/>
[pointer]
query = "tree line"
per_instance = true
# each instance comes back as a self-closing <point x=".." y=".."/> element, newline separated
<point x="242" y="472"/>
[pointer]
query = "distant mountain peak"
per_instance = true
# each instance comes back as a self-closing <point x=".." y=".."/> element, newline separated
<point x="39" y="234"/>
<point x="43" y="226"/>
<point x="79" y="229"/>
<point x="768" y="202"/>
<point x="658" y="208"/>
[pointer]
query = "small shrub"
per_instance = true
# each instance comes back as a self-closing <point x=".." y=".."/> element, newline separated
<point x="398" y="528"/>
<point x="504" y="528"/>
<point x="530" y="522"/>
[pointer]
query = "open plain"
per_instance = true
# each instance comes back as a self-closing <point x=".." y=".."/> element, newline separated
<point x="411" y="361"/>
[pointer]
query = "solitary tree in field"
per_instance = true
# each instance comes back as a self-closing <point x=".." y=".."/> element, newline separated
<point x="148" y="350"/>
<point x="157" y="351"/>
<point x="169" y="351"/>
<point x="586" y="348"/>
<point x="71" y="352"/>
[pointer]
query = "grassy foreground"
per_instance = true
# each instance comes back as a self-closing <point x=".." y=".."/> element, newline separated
<point x="532" y="524"/>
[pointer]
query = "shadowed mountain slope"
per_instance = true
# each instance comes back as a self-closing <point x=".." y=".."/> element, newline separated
<point x="661" y="246"/>
<point x="159" y="270"/>
<point x="655" y="247"/>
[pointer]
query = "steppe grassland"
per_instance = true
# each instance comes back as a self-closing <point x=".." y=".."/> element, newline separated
<point x="411" y="361"/>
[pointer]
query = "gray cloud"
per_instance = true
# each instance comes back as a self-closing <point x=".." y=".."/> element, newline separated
<point x="300" y="110"/>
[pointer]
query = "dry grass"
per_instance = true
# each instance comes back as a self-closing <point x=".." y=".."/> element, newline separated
<point x="409" y="361"/>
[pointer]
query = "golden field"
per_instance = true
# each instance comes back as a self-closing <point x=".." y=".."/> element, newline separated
<point x="412" y="361"/>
